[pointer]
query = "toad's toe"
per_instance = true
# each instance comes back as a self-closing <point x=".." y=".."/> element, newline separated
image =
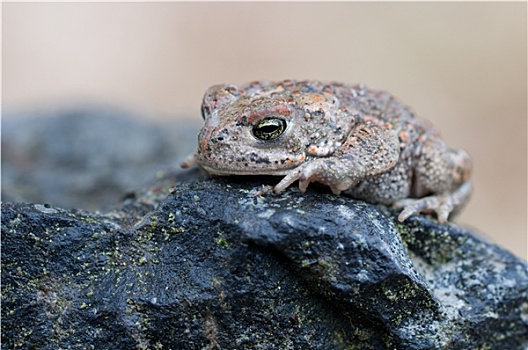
<point x="442" y="205"/>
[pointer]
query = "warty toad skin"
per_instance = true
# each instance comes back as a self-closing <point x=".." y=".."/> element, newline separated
<point x="362" y="142"/>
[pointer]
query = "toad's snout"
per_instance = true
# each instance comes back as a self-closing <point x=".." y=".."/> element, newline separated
<point x="214" y="136"/>
<point x="219" y="135"/>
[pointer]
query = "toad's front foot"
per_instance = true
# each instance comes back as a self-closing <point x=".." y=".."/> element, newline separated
<point x="328" y="172"/>
<point x="442" y="204"/>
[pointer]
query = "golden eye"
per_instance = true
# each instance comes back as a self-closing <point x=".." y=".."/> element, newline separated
<point x="269" y="129"/>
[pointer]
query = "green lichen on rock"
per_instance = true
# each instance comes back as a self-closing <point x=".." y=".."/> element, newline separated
<point x="235" y="271"/>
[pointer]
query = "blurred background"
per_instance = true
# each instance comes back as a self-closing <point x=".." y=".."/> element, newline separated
<point x="460" y="65"/>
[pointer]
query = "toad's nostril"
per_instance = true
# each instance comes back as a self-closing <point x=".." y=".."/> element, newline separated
<point x="222" y="135"/>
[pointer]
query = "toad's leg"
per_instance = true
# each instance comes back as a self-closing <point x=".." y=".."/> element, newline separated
<point x="442" y="176"/>
<point x="189" y="161"/>
<point x="369" y="150"/>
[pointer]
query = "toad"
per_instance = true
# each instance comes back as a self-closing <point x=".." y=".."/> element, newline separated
<point x="357" y="141"/>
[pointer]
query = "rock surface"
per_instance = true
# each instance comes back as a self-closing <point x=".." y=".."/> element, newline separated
<point x="86" y="158"/>
<point x="197" y="263"/>
<point x="205" y="264"/>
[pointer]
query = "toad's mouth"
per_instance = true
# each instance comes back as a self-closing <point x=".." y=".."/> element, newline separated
<point x="252" y="171"/>
<point x="251" y="164"/>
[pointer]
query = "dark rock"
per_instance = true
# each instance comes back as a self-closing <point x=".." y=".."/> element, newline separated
<point x="86" y="158"/>
<point x="204" y="264"/>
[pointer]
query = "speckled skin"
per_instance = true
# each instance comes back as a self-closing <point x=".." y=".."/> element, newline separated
<point x="362" y="142"/>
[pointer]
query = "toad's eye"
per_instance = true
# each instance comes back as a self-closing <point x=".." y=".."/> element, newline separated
<point x="269" y="129"/>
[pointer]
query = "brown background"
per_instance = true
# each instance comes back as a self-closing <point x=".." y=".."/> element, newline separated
<point x="460" y="65"/>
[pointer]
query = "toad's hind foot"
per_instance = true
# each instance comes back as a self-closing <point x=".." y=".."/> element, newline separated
<point x="442" y="204"/>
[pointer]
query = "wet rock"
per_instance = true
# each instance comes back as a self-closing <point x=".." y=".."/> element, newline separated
<point x="201" y="263"/>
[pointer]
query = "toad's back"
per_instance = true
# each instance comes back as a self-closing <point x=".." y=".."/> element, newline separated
<point x="365" y="102"/>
